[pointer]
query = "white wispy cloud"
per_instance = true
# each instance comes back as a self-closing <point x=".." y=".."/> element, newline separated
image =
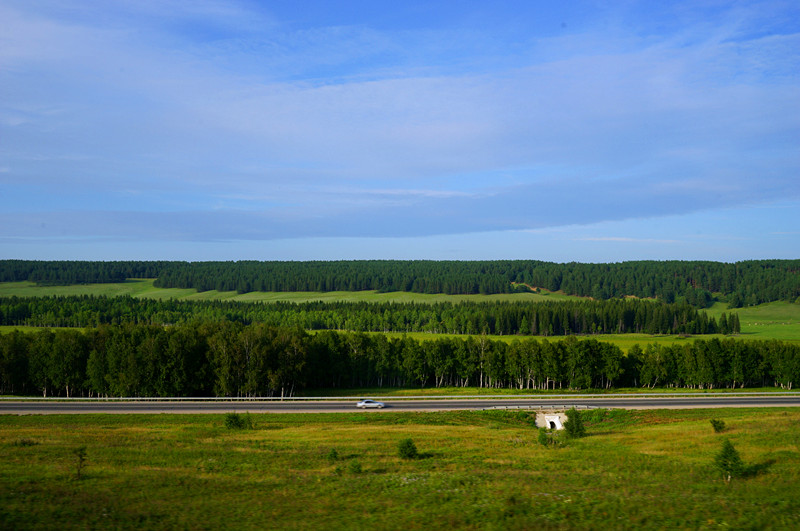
<point x="623" y="239"/>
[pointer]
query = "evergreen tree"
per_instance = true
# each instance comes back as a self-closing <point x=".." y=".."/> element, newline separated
<point x="729" y="462"/>
<point x="734" y="325"/>
<point x="574" y="425"/>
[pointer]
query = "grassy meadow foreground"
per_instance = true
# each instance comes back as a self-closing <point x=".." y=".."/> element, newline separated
<point x="479" y="470"/>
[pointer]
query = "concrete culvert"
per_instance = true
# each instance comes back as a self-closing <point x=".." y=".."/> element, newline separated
<point x="553" y="420"/>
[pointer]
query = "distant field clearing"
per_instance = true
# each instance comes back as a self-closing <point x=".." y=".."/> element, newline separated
<point x="144" y="288"/>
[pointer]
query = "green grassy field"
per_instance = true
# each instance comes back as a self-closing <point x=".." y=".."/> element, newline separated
<point x="132" y="287"/>
<point x="776" y="320"/>
<point x="477" y="470"/>
<point x="623" y="341"/>
<point x="144" y="288"/>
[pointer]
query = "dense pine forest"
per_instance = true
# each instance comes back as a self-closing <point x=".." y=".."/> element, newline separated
<point x="694" y="282"/>
<point x="231" y="359"/>
<point x="616" y="316"/>
<point x="148" y="347"/>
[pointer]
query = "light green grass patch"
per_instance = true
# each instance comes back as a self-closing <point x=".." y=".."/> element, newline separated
<point x="131" y="287"/>
<point x="28" y="329"/>
<point x="775" y="320"/>
<point x="623" y="341"/>
<point x="145" y="288"/>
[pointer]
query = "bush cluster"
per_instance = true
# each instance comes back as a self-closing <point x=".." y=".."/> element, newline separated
<point x="235" y="421"/>
<point x="406" y="449"/>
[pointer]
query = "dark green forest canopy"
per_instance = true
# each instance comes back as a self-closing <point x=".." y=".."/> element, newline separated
<point x="740" y="283"/>
<point x="544" y="318"/>
<point x="231" y="359"/>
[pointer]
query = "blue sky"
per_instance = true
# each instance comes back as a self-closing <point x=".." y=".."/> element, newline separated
<point x="562" y="131"/>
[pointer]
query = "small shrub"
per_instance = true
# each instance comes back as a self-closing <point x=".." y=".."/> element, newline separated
<point x="729" y="462"/>
<point x="574" y="425"/>
<point x="80" y="459"/>
<point x="543" y="438"/>
<point x="718" y="425"/>
<point x="333" y="455"/>
<point x="407" y="449"/>
<point x="25" y="442"/>
<point x="235" y="421"/>
<point x="354" y="467"/>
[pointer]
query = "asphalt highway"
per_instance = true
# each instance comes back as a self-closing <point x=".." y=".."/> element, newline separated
<point x="55" y="406"/>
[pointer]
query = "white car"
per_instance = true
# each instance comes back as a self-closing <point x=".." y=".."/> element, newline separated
<point x="363" y="404"/>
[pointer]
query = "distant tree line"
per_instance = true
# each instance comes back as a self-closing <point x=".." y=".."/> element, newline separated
<point x="549" y="318"/>
<point x="694" y="282"/>
<point x="232" y="359"/>
<point x="66" y="272"/>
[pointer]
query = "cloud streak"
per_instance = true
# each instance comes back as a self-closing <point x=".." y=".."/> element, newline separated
<point x="623" y="239"/>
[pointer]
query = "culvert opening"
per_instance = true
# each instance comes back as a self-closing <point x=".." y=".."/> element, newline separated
<point x="552" y="420"/>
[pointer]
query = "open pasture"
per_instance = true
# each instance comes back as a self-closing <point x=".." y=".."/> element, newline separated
<point x="623" y="341"/>
<point x="144" y="288"/>
<point x="476" y="470"/>
<point x="776" y="320"/>
<point x="131" y="287"/>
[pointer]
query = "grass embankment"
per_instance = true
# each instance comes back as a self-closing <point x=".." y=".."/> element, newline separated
<point x="434" y="392"/>
<point x="477" y="470"/>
